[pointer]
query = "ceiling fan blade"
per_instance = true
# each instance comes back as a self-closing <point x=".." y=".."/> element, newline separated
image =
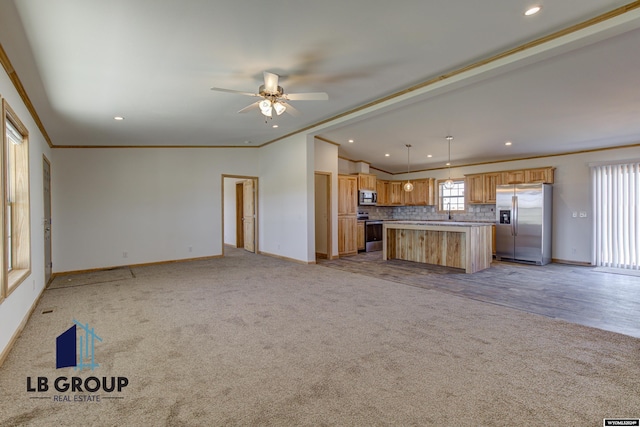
<point x="219" y="89"/>
<point x="270" y="82"/>
<point x="311" y="96"/>
<point x="293" y="111"/>
<point x="250" y="107"/>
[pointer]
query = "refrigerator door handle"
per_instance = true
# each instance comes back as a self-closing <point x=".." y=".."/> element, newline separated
<point x="514" y="222"/>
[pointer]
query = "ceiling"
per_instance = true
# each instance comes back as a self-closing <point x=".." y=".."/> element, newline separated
<point x="153" y="62"/>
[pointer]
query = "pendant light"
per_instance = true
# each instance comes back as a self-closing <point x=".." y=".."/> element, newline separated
<point x="448" y="184"/>
<point x="408" y="186"/>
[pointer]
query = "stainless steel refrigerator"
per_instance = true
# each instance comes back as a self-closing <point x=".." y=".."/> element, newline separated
<point x="523" y="223"/>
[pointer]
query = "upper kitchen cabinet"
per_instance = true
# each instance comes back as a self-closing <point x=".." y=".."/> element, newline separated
<point x="481" y="187"/>
<point x="491" y="180"/>
<point x="513" y="177"/>
<point x="423" y="193"/>
<point x="382" y="188"/>
<point x="347" y="195"/>
<point x="542" y="175"/>
<point x="474" y="187"/>
<point x="396" y="193"/>
<point x="366" y="182"/>
<point x="529" y="176"/>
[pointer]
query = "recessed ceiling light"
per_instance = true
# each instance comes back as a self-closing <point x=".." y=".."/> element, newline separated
<point x="274" y="126"/>
<point x="508" y="143"/>
<point x="429" y="155"/>
<point x="387" y="155"/>
<point x="118" y="118"/>
<point x="448" y="164"/>
<point x="351" y="141"/>
<point x="533" y="10"/>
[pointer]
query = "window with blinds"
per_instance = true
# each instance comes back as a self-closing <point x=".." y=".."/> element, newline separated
<point x="616" y="200"/>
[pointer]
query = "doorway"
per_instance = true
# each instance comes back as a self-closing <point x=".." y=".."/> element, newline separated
<point x="239" y="212"/>
<point x="323" y="215"/>
<point x="46" y="176"/>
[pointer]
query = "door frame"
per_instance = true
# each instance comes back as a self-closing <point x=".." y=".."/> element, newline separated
<point x="255" y="224"/>
<point x="239" y="214"/>
<point x="329" y="179"/>
<point x="47" y="279"/>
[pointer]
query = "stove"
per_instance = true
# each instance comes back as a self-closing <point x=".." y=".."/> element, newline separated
<point x="373" y="235"/>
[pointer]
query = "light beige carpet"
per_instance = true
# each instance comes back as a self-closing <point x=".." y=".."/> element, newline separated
<point x="251" y="340"/>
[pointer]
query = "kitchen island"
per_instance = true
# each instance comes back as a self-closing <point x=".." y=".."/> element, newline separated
<point x="465" y="245"/>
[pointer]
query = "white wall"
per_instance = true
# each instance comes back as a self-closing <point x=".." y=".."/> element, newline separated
<point x="286" y="199"/>
<point x="326" y="160"/>
<point x="155" y="204"/>
<point x="15" y="308"/>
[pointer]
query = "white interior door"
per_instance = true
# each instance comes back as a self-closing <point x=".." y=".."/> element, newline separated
<point x="249" y="215"/>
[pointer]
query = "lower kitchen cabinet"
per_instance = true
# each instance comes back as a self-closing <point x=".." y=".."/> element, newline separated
<point x="361" y="243"/>
<point x="347" y="235"/>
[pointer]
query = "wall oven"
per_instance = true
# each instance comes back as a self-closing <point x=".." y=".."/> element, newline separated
<point x="373" y="235"/>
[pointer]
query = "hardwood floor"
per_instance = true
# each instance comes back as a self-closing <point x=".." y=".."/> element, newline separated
<point x="576" y="294"/>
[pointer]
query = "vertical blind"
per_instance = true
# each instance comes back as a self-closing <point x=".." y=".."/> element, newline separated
<point x="616" y="198"/>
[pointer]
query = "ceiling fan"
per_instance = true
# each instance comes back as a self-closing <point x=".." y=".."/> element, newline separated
<point x="274" y="98"/>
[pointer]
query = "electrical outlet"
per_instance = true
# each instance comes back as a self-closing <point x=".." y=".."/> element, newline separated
<point x="190" y="248"/>
<point x="583" y="214"/>
<point x="125" y="254"/>
<point x="574" y="214"/>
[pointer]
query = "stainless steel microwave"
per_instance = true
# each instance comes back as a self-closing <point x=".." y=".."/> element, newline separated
<point x="366" y="197"/>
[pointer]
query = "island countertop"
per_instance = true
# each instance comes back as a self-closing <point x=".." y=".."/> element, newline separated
<point x="436" y="222"/>
<point x="465" y="245"/>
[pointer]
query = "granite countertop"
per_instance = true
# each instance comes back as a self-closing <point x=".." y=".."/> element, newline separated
<point x="445" y="223"/>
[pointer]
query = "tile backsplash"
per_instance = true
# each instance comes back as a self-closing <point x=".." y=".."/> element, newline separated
<point x="478" y="213"/>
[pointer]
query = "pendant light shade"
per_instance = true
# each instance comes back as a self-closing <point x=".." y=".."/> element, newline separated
<point x="448" y="184"/>
<point x="408" y="186"/>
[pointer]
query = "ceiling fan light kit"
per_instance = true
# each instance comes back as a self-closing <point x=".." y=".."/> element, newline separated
<point x="274" y="97"/>
<point x="265" y="107"/>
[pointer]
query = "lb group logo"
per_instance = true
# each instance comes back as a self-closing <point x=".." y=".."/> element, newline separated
<point x="70" y="352"/>
<point x="76" y="348"/>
